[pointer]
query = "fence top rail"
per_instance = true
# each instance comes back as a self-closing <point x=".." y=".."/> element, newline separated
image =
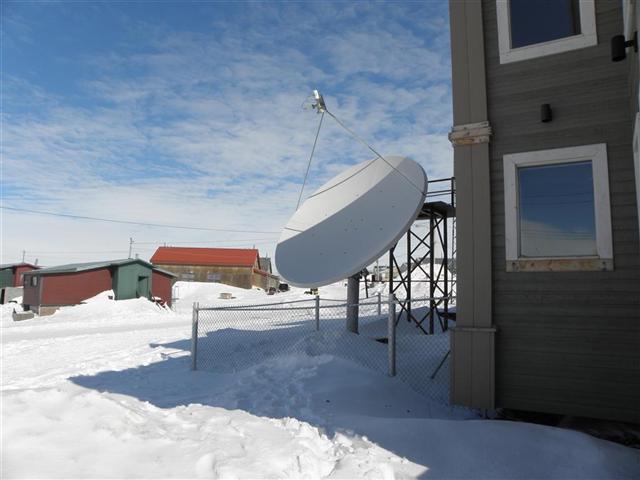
<point x="224" y="307"/>
<point x="276" y="306"/>
<point x="256" y="308"/>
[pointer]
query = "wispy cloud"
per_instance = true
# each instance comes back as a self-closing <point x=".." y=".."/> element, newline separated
<point x="204" y="125"/>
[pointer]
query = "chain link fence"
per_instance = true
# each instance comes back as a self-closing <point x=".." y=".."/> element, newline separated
<point x="230" y="338"/>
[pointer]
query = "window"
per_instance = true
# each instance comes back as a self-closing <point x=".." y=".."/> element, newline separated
<point x="213" y="277"/>
<point x="530" y="29"/>
<point x="557" y="213"/>
<point x="556" y="217"/>
<point x="34" y="281"/>
<point x="188" y="276"/>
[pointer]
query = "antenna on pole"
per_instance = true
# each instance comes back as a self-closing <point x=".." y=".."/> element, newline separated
<point x="320" y="107"/>
<point x="23" y="254"/>
<point x="130" y="246"/>
<point x="319" y="102"/>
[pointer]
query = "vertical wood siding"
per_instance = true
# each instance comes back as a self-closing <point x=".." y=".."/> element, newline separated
<point x="73" y="288"/>
<point x="20" y="271"/>
<point x="567" y="343"/>
<point x="6" y="278"/>
<point x="235" y="276"/>
<point x="30" y="294"/>
<point x="161" y="286"/>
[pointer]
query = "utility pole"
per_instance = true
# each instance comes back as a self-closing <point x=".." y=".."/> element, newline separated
<point x="23" y="254"/>
<point x="130" y="246"/>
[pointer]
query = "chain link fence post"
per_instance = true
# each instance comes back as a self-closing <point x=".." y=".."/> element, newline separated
<point x="379" y="303"/>
<point x="194" y="336"/>
<point x="317" y="313"/>
<point x="392" y="335"/>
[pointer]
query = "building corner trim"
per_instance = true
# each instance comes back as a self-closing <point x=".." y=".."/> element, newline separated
<point x="472" y="367"/>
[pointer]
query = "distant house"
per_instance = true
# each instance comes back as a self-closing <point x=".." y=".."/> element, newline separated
<point x="238" y="267"/>
<point x="11" y="273"/>
<point x="47" y="289"/>
<point x="11" y="279"/>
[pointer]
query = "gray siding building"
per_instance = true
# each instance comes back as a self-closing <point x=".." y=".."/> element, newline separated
<point x="547" y="203"/>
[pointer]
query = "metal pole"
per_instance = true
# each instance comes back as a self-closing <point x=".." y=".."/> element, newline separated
<point x="409" y="267"/>
<point x="432" y="280"/>
<point x="317" y="313"/>
<point x="445" y="261"/>
<point x="130" y="246"/>
<point x="391" y="250"/>
<point x="353" y="298"/>
<point x="391" y="326"/>
<point x="194" y="337"/>
<point x="379" y="303"/>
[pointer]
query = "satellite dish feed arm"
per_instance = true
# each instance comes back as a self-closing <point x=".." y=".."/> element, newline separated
<point x="319" y="105"/>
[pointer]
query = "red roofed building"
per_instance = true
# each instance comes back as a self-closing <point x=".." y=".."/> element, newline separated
<point x="239" y="267"/>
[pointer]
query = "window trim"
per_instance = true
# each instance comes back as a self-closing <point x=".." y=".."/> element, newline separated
<point x="587" y="38"/>
<point x="597" y="154"/>
<point x="628" y="11"/>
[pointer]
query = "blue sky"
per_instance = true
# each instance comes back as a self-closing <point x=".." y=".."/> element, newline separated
<point x="191" y="114"/>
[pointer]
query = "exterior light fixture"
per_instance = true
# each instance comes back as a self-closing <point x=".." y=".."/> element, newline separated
<point x="546" y="114"/>
<point x="619" y="46"/>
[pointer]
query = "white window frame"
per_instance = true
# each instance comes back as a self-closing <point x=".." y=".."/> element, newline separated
<point x="597" y="154"/>
<point x="587" y="38"/>
<point x="628" y="12"/>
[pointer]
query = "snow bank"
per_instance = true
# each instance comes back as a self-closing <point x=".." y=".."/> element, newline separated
<point x="107" y="295"/>
<point x="75" y="433"/>
<point x="7" y="309"/>
<point x="104" y="390"/>
<point x="100" y="313"/>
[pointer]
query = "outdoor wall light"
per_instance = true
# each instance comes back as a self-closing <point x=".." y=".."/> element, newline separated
<point x="546" y="114"/>
<point x="619" y="46"/>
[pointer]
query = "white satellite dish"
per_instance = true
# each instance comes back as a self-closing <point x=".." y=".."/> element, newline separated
<point x="351" y="221"/>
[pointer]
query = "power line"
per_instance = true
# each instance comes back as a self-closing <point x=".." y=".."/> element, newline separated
<point x="243" y="242"/>
<point x="267" y="242"/>
<point x="64" y="252"/>
<point x="129" y="222"/>
<point x="170" y="243"/>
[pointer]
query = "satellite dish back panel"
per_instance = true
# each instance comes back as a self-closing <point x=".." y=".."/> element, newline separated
<point x="351" y="221"/>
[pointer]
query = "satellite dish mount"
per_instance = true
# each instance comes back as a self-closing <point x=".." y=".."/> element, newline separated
<point x="318" y="104"/>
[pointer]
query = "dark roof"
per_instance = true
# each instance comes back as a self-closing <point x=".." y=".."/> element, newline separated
<point x="437" y="209"/>
<point x="236" y="257"/>
<point x="15" y="265"/>
<point x="82" y="267"/>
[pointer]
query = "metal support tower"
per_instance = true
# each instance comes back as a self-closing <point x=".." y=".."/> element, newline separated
<point x="423" y="253"/>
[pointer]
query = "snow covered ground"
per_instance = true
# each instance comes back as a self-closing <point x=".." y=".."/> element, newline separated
<point x="104" y="390"/>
